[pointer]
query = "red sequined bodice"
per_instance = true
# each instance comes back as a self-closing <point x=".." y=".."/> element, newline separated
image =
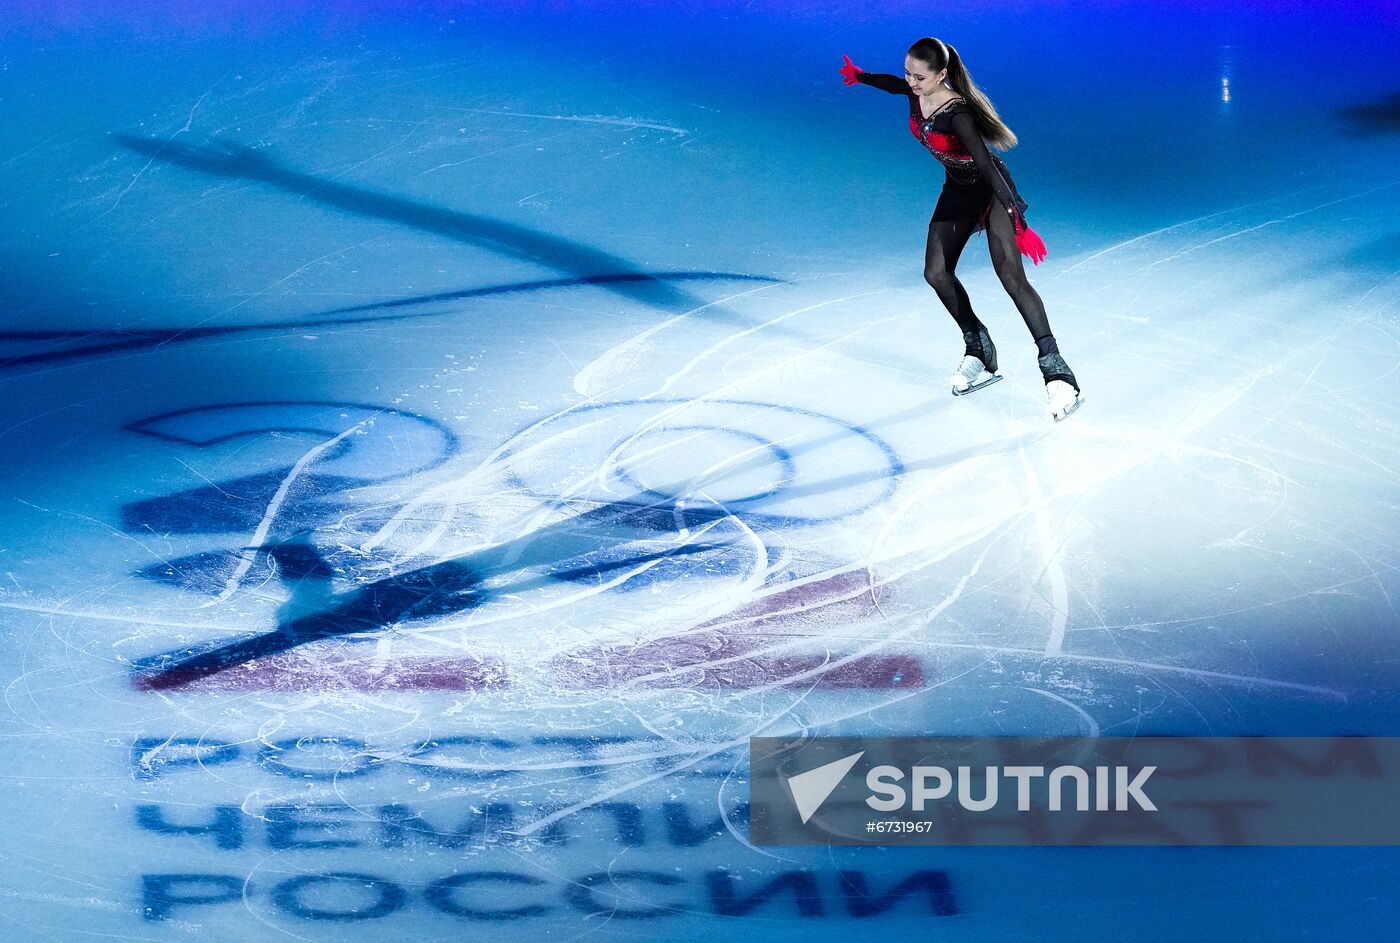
<point x="936" y="133"/>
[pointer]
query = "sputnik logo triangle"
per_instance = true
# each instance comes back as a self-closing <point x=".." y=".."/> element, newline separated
<point x="810" y="789"/>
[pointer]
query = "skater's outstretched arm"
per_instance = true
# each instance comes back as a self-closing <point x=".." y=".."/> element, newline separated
<point x="852" y="74"/>
<point x="893" y="84"/>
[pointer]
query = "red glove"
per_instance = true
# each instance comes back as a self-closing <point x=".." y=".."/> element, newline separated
<point x="1030" y="244"/>
<point x="849" y="71"/>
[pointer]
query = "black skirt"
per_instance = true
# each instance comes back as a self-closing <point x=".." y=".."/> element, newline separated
<point x="970" y="201"/>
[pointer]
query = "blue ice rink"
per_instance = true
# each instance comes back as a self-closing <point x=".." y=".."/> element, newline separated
<point x="438" y="436"/>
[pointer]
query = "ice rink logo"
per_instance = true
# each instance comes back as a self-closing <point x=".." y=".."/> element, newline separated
<point x="327" y="518"/>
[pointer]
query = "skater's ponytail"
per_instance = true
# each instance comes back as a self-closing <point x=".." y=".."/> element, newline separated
<point x="940" y="55"/>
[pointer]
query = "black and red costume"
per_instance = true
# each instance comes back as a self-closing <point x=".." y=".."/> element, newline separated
<point x="976" y="180"/>
<point x="976" y="176"/>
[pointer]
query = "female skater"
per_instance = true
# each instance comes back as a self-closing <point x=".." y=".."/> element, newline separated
<point x="951" y="117"/>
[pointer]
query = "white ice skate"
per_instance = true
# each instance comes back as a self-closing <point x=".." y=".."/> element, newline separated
<point x="1064" y="399"/>
<point x="1061" y="388"/>
<point x="971" y="376"/>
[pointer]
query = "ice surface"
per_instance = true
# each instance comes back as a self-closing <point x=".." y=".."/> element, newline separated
<point x="428" y="459"/>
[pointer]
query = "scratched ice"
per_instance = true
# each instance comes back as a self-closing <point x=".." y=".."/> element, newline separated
<point x="437" y="441"/>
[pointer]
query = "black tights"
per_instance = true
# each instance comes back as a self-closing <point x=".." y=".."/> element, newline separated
<point x="945" y="245"/>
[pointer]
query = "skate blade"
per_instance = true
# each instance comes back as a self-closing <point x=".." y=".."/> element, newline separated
<point x="1069" y="410"/>
<point x="987" y="379"/>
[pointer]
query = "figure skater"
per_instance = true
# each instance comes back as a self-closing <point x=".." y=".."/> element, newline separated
<point x="951" y="117"/>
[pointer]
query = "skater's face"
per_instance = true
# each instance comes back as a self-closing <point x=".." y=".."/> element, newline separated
<point x="921" y="76"/>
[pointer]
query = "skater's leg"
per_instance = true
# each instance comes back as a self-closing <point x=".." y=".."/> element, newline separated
<point x="1006" y="260"/>
<point x="1061" y="388"/>
<point x="946" y="241"/>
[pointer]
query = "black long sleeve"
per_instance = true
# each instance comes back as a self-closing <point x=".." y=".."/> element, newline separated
<point x="966" y="129"/>
<point x="884" y="82"/>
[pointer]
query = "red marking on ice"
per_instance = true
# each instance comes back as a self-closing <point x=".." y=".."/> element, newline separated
<point x="749" y="658"/>
<point x="714" y="660"/>
<point x="682" y="661"/>
<point x="293" y="672"/>
<point x="847" y="594"/>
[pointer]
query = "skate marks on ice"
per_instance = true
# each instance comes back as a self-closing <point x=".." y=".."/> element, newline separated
<point x="620" y="498"/>
<point x="582" y="265"/>
<point x="1105" y="476"/>
<point x="1126" y="282"/>
<point x="685" y="519"/>
<point x="1258" y="454"/>
<point x="298" y="562"/>
<point x="594" y="497"/>
<point x="661" y="445"/>
<point x="648" y="518"/>
<point x="502" y="238"/>
<point x="44" y="347"/>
